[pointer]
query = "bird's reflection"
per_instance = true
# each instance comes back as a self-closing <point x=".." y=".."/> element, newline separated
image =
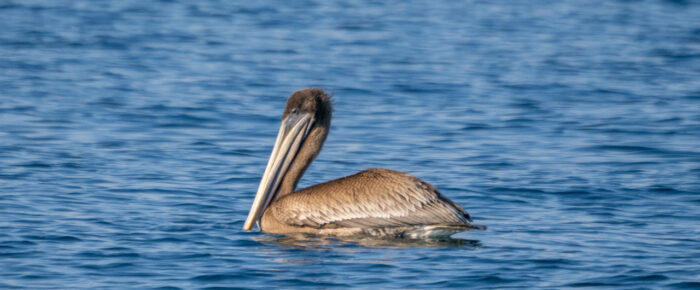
<point x="313" y="242"/>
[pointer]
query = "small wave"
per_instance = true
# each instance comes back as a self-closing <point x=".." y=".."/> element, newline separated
<point x="108" y="266"/>
<point x="219" y="277"/>
<point x="684" y="285"/>
<point x="53" y="238"/>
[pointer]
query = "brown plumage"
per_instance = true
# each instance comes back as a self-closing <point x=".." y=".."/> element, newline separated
<point x="374" y="201"/>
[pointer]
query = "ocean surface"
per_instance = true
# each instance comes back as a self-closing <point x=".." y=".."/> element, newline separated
<point x="133" y="135"/>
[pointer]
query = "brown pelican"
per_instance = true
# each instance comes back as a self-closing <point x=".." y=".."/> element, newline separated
<point x="375" y="201"/>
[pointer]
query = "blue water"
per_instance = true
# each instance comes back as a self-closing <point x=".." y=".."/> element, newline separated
<point x="133" y="135"/>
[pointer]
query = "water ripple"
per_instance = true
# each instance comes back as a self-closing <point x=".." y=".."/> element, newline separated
<point x="133" y="135"/>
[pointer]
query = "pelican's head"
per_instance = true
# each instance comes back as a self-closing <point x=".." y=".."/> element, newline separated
<point x="305" y="123"/>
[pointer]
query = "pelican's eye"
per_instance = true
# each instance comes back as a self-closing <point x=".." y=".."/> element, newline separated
<point x="295" y="111"/>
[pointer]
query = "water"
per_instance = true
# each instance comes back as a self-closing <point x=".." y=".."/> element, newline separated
<point x="133" y="135"/>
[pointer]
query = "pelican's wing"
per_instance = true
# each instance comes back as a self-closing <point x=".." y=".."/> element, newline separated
<point x="371" y="198"/>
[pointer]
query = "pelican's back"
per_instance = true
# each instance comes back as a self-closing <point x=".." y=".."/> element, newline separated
<point x="375" y="201"/>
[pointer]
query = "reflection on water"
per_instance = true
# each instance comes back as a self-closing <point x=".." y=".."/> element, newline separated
<point x="321" y="243"/>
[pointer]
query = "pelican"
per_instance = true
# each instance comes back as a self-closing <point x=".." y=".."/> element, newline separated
<point x="377" y="202"/>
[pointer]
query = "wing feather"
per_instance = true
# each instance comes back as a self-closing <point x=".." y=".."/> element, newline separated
<point x="371" y="198"/>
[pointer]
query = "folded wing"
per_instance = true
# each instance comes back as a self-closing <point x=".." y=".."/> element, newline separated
<point x="374" y="198"/>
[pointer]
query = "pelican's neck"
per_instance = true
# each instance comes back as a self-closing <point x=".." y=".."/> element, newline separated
<point x="307" y="153"/>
